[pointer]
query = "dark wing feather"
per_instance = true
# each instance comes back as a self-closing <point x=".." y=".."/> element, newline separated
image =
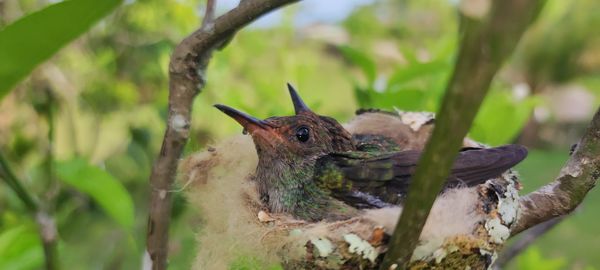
<point x="475" y="166"/>
<point x="370" y="180"/>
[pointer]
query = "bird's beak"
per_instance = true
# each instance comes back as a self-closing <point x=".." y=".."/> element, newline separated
<point x="247" y="121"/>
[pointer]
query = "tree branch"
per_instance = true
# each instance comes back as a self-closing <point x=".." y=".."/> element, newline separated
<point x="187" y="76"/>
<point x="46" y="224"/>
<point x="563" y="195"/>
<point x="485" y="45"/>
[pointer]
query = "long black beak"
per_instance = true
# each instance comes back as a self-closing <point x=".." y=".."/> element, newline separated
<point x="299" y="105"/>
<point x="247" y="121"/>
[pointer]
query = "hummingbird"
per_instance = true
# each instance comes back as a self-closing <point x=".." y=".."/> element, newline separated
<point x="309" y="166"/>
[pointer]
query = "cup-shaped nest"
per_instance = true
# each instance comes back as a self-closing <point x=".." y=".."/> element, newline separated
<point x="466" y="227"/>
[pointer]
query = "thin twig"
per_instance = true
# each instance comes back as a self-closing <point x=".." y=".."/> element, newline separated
<point x="186" y="79"/>
<point x="485" y="45"/>
<point x="49" y="236"/>
<point x="560" y="197"/>
<point x="209" y="15"/>
<point x="46" y="224"/>
<point x="13" y="182"/>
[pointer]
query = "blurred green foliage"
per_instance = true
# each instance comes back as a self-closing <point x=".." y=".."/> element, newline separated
<point x="109" y="91"/>
<point x="33" y="39"/>
<point x="501" y="117"/>
<point x="558" y="50"/>
<point x="20" y="247"/>
<point x="532" y="259"/>
<point x="106" y="191"/>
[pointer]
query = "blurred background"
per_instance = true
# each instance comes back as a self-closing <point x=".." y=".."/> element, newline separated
<point x="100" y="104"/>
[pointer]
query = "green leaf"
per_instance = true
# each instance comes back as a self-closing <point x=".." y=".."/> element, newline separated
<point x="34" y="38"/>
<point x="20" y="248"/>
<point x="414" y="71"/>
<point x="107" y="191"/>
<point x="362" y="61"/>
<point x="501" y="117"/>
<point x="406" y="99"/>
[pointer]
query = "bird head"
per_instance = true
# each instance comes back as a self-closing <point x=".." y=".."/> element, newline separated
<point x="288" y="148"/>
<point x="304" y="135"/>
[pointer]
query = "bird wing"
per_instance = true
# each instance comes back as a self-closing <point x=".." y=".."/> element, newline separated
<point x="375" y="180"/>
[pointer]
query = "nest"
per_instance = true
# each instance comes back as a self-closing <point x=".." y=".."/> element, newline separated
<point x="466" y="228"/>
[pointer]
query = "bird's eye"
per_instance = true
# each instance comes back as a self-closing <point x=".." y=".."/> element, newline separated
<point x="302" y="134"/>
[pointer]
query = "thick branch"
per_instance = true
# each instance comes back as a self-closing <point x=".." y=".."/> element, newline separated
<point x="485" y="45"/>
<point x="563" y="195"/>
<point x="186" y="79"/>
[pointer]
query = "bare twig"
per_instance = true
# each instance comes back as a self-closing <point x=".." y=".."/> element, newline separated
<point x="186" y="78"/>
<point x="49" y="236"/>
<point x="485" y="45"/>
<point x="525" y="241"/>
<point x="44" y="218"/>
<point x="209" y="15"/>
<point x="563" y="195"/>
<point x="13" y="182"/>
<point x="46" y="224"/>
